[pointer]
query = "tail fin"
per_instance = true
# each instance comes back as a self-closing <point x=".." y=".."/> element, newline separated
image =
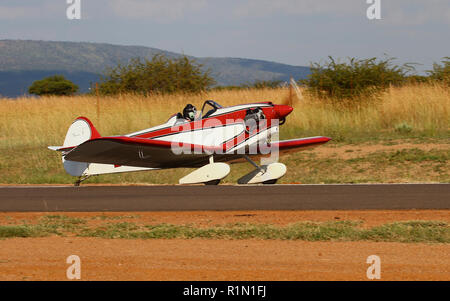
<point x="81" y="130"/>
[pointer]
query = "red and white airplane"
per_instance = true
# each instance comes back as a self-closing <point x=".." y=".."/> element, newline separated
<point x="207" y="140"/>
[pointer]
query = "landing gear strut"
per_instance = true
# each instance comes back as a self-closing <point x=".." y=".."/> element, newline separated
<point x="81" y="179"/>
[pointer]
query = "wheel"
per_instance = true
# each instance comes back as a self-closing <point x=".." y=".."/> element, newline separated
<point x="274" y="181"/>
<point x="212" y="182"/>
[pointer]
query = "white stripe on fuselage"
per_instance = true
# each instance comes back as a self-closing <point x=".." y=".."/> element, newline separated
<point x="214" y="136"/>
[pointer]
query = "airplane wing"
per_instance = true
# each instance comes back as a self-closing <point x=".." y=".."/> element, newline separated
<point x="284" y="147"/>
<point x="142" y="152"/>
<point x="294" y="145"/>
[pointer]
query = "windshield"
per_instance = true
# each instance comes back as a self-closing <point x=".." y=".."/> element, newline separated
<point x="209" y="107"/>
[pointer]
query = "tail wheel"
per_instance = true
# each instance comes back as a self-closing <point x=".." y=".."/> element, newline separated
<point x="274" y="181"/>
<point x="212" y="182"/>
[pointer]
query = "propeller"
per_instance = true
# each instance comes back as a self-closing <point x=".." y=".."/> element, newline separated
<point x="294" y="90"/>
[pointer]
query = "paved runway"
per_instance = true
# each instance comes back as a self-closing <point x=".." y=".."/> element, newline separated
<point x="183" y="198"/>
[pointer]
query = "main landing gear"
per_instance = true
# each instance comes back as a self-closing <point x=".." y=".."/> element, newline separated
<point x="213" y="173"/>
<point x="210" y="174"/>
<point x="265" y="174"/>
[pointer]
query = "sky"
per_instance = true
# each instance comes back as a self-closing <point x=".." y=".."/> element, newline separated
<point x="295" y="32"/>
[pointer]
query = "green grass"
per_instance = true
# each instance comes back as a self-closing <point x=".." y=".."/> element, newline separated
<point x="48" y="225"/>
<point x="415" y="231"/>
<point x="60" y="224"/>
<point x="405" y="232"/>
<point x="412" y="231"/>
<point x="20" y="231"/>
<point x="118" y="217"/>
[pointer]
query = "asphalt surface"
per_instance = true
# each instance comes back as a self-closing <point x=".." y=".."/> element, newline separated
<point x="184" y="198"/>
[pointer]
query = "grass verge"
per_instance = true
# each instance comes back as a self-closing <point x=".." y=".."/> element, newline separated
<point x="405" y="232"/>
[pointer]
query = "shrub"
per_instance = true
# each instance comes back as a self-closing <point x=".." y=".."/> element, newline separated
<point x="53" y="85"/>
<point x="158" y="75"/>
<point x="264" y="84"/>
<point x="441" y="73"/>
<point x="355" y="78"/>
<point x="417" y="79"/>
<point x="403" y="128"/>
<point x="259" y="84"/>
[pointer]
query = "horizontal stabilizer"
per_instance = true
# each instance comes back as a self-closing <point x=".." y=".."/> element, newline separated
<point x="60" y="148"/>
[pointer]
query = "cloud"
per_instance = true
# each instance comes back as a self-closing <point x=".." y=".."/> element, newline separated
<point x="31" y="11"/>
<point x="157" y="10"/>
<point x="261" y="8"/>
<point x="12" y="13"/>
<point x="399" y="12"/>
<point x="416" y="12"/>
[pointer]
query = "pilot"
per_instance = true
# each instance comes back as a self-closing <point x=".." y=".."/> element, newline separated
<point x="189" y="112"/>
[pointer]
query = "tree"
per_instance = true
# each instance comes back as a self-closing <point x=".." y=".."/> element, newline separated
<point x="53" y="85"/>
<point x="158" y="75"/>
<point x="355" y="78"/>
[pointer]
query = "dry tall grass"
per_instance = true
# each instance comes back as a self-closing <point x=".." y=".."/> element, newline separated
<point x="419" y="108"/>
<point x="44" y="121"/>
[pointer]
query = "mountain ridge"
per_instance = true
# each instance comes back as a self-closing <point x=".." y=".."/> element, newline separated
<point x="23" y="61"/>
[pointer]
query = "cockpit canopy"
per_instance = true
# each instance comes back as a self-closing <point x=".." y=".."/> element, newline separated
<point x="209" y="107"/>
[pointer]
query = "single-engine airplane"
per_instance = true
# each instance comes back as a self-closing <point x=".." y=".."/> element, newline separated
<point x="206" y="140"/>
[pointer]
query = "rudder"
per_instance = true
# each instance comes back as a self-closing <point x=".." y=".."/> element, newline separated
<point x="81" y="130"/>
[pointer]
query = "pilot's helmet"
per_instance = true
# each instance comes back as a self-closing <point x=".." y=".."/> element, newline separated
<point x="189" y="112"/>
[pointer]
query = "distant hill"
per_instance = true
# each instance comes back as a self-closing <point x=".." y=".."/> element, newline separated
<point x="22" y="62"/>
